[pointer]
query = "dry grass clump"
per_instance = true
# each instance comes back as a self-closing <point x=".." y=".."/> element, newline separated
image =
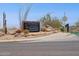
<point x="18" y="31"/>
<point x="23" y="33"/>
<point x="46" y="30"/>
<point x="26" y="32"/>
<point x="1" y="34"/>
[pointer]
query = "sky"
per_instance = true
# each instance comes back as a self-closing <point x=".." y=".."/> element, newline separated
<point x="37" y="11"/>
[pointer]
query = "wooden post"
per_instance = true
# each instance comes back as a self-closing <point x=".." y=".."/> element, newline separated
<point x="4" y="23"/>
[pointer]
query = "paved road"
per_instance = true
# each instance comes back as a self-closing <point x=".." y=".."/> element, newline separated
<point x="55" y="48"/>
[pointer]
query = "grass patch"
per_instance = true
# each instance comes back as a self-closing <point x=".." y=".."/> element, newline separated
<point x="76" y="33"/>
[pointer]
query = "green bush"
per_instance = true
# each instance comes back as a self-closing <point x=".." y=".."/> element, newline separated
<point x="53" y="22"/>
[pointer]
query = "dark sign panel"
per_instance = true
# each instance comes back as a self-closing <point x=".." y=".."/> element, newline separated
<point x="32" y="26"/>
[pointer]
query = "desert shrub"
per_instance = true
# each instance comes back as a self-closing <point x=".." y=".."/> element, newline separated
<point x="26" y="32"/>
<point x="62" y="29"/>
<point x="44" y="30"/>
<point x="53" y="22"/>
<point x="18" y="31"/>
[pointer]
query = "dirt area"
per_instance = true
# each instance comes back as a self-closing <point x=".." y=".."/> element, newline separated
<point x="40" y="37"/>
<point x="30" y="35"/>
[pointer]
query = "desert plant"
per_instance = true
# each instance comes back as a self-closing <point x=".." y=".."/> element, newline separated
<point x="20" y="19"/>
<point x="25" y="32"/>
<point x="27" y="12"/>
<point x="56" y="23"/>
<point x="18" y="31"/>
<point x="77" y="23"/>
<point x="53" y="22"/>
<point x="4" y="23"/>
<point x="23" y="17"/>
<point x="64" y="19"/>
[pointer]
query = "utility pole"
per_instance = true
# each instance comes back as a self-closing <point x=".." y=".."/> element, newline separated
<point x="4" y="23"/>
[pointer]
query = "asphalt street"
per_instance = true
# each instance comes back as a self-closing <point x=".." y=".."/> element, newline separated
<point x="53" y="48"/>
